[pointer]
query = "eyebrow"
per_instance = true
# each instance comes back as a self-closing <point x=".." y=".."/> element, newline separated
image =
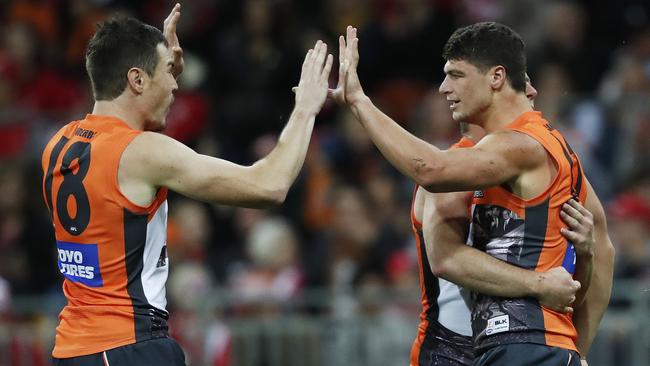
<point x="454" y="72"/>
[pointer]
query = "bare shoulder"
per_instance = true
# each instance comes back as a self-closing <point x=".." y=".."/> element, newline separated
<point x="517" y="147"/>
<point x="151" y="155"/>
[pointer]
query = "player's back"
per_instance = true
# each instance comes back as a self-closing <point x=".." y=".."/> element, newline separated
<point x="111" y="252"/>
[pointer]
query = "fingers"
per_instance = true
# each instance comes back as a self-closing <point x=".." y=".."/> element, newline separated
<point x="572" y="236"/>
<point x="328" y="67"/>
<point x="342" y="49"/>
<point x="569" y="209"/>
<point x="320" y="54"/>
<point x="577" y="285"/>
<point x="175" y="9"/>
<point x="169" y="25"/>
<point x="570" y="220"/>
<point x="576" y="205"/>
<point x="348" y="35"/>
<point x="343" y="71"/>
<point x="314" y="58"/>
<point x="308" y="60"/>
<point x="568" y="309"/>
<point x="355" y="47"/>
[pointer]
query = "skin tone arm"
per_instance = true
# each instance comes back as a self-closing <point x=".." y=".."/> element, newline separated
<point x="588" y="315"/>
<point x="154" y="160"/>
<point x="445" y="223"/>
<point x="499" y="157"/>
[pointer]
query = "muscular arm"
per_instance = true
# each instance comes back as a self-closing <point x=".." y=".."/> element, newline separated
<point x="153" y="160"/>
<point x="588" y="315"/>
<point x="498" y="158"/>
<point x="159" y="161"/>
<point x="445" y="222"/>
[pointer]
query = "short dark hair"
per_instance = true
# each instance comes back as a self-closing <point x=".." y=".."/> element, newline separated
<point x="490" y="44"/>
<point x="118" y="45"/>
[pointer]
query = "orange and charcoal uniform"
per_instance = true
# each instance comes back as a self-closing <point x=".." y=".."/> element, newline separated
<point x="526" y="233"/>
<point x="111" y="252"/>
<point x="444" y="331"/>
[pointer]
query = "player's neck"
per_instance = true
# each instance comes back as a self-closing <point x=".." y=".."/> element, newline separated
<point x="504" y="110"/>
<point x="471" y="132"/>
<point x="118" y="108"/>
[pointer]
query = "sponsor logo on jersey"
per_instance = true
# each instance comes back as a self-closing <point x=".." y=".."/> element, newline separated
<point x="498" y="324"/>
<point x="79" y="263"/>
<point x="162" y="259"/>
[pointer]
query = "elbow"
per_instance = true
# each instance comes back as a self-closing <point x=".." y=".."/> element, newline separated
<point x="439" y="268"/>
<point x="611" y="252"/>
<point x="273" y="197"/>
<point x="426" y="175"/>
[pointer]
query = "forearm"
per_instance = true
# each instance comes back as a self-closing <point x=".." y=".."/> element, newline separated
<point x="588" y="315"/>
<point x="281" y="166"/>
<point x="480" y="272"/>
<point x="409" y="154"/>
<point x="583" y="274"/>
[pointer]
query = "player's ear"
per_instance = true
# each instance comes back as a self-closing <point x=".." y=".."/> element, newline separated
<point x="135" y="80"/>
<point x="497" y="77"/>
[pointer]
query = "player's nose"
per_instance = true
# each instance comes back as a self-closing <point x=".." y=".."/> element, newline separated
<point x="444" y="87"/>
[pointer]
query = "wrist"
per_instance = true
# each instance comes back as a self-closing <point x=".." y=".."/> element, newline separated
<point x="300" y="111"/>
<point x="585" y="253"/>
<point x="536" y="285"/>
<point x="359" y="103"/>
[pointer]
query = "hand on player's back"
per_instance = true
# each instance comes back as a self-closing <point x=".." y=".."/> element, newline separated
<point x="312" y="89"/>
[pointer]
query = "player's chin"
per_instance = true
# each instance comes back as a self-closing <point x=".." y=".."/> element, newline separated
<point x="158" y="125"/>
<point x="458" y="116"/>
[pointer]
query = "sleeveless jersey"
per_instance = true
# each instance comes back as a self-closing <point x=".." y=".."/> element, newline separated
<point x="526" y="233"/>
<point x="111" y="252"/>
<point x="445" y="327"/>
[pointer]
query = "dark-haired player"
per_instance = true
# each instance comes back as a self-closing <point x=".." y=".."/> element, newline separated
<point x="106" y="179"/>
<point x="523" y="166"/>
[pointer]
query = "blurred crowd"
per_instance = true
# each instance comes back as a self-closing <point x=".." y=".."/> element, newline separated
<point x="345" y="225"/>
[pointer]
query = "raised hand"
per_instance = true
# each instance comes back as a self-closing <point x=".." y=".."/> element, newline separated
<point x="581" y="227"/>
<point x="348" y="90"/>
<point x="169" y="31"/>
<point x="558" y="290"/>
<point x="311" y="92"/>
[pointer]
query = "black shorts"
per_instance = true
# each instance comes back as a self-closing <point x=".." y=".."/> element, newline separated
<point x="527" y="354"/>
<point x="443" y="347"/>
<point x="152" y="352"/>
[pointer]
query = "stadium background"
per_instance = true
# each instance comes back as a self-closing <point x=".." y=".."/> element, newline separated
<point x="329" y="278"/>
